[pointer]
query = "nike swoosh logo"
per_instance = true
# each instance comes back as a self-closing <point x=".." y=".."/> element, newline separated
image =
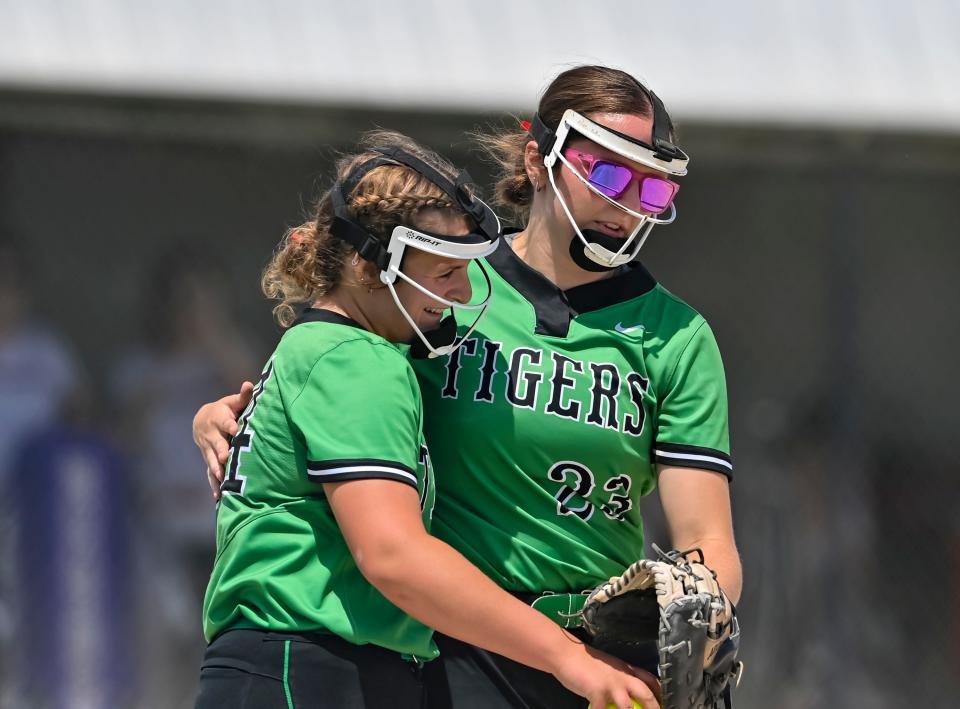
<point x="627" y="330"/>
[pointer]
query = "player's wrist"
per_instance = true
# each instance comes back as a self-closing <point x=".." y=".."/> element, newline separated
<point x="565" y="655"/>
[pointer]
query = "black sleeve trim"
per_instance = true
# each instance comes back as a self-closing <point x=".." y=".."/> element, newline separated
<point x="700" y="457"/>
<point x="328" y="471"/>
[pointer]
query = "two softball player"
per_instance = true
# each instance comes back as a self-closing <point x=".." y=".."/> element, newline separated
<point x="326" y="578"/>
<point x="587" y="385"/>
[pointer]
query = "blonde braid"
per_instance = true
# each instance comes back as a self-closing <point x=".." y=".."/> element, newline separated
<point x="381" y="207"/>
<point x="310" y="262"/>
<point x="403" y="203"/>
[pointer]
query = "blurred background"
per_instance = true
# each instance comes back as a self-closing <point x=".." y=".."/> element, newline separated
<point x="152" y="154"/>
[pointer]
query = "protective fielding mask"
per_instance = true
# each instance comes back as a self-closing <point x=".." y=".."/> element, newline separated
<point x="590" y="249"/>
<point x="389" y="258"/>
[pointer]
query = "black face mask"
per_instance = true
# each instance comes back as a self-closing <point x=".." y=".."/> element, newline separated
<point x="442" y="336"/>
<point x="578" y="252"/>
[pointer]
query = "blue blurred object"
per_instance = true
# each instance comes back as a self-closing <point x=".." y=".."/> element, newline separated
<point x="73" y="594"/>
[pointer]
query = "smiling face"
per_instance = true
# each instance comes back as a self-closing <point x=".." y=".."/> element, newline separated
<point x="446" y="277"/>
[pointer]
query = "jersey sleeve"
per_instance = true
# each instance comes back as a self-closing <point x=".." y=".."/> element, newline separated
<point x="359" y="415"/>
<point x="692" y="429"/>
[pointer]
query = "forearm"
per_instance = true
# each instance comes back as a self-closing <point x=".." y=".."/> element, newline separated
<point x="435" y="584"/>
<point x="696" y="505"/>
<point x="381" y="522"/>
<point x="721" y="555"/>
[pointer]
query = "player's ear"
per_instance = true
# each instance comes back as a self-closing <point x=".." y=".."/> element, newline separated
<point x="365" y="273"/>
<point x="533" y="164"/>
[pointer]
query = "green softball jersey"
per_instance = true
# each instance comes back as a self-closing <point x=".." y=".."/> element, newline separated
<point x="546" y="426"/>
<point x="334" y="403"/>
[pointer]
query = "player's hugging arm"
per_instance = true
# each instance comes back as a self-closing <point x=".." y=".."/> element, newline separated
<point x="382" y="512"/>
<point x="213" y="426"/>
<point x="372" y="466"/>
<point x="436" y="585"/>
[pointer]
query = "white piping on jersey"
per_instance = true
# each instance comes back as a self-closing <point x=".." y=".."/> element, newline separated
<point x="360" y="469"/>
<point x="693" y="456"/>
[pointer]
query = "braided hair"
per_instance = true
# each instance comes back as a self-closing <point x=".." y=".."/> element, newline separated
<point x="309" y="262"/>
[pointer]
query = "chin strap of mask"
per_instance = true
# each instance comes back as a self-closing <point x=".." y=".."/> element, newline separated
<point x="439" y="340"/>
<point x="579" y="252"/>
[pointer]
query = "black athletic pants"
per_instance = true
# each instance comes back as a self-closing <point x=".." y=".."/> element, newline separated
<point x="254" y="669"/>
<point x="466" y="677"/>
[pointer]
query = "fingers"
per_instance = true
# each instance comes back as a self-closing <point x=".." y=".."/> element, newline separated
<point x="215" y="465"/>
<point x="627" y="687"/>
<point x="643" y="696"/>
<point x="198" y="427"/>
<point x="222" y="448"/>
<point x="213" y="427"/>
<point x="211" y="432"/>
<point x="645" y="689"/>
<point x="214" y="483"/>
<point x="227" y="425"/>
<point x="210" y="458"/>
<point x="649" y="680"/>
<point x="636" y="699"/>
<point x="215" y="453"/>
<point x="638" y="696"/>
<point x="238" y="402"/>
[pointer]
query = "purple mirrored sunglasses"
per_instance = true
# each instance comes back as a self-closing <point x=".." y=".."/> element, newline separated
<point x="612" y="179"/>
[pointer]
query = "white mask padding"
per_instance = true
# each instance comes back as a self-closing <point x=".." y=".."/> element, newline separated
<point x="611" y="141"/>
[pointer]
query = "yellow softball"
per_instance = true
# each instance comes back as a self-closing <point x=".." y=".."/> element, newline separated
<point x="636" y="705"/>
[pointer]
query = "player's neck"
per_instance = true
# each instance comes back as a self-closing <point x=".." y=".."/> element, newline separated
<point x="373" y="309"/>
<point x="536" y="248"/>
<point x="345" y="307"/>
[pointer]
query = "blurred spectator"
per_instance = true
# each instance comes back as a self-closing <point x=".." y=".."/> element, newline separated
<point x="73" y="577"/>
<point x="190" y="351"/>
<point x="37" y="371"/>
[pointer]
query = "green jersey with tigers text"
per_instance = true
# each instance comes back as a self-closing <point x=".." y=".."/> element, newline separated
<point x="335" y="403"/>
<point x="545" y="427"/>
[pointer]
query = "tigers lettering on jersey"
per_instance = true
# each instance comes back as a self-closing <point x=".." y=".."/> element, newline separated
<point x="611" y="398"/>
